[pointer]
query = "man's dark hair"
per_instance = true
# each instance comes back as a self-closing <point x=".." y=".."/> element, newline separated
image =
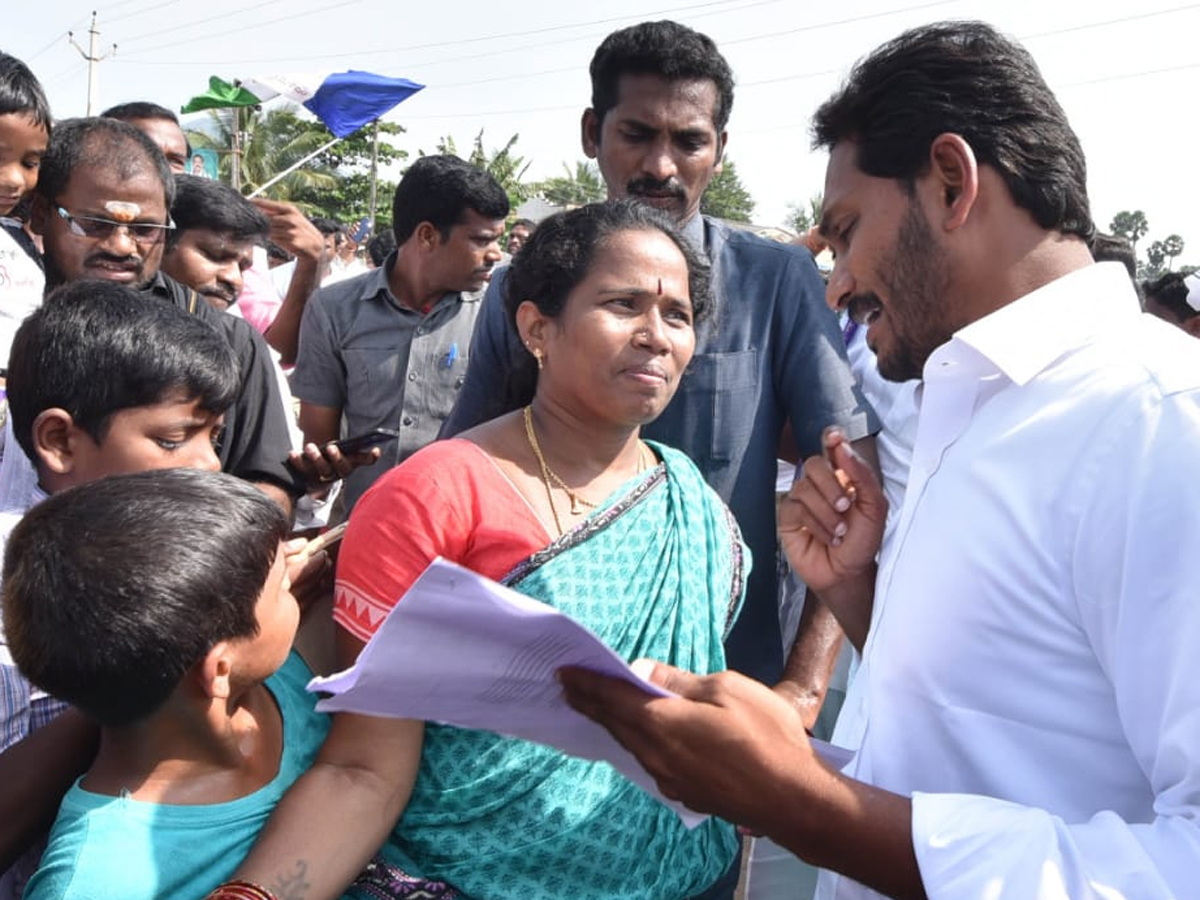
<point x="274" y="251"/>
<point x="440" y="190"/>
<point x="1114" y="248"/>
<point x="204" y="203"/>
<point x="115" y="588"/>
<point x="523" y="223"/>
<point x="558" y="256"/>
<point x="326" y="225"/>
<point x="380" y="247"/>
<point x="1170" y="290"/>
<point x="667" y="49"/>
<point x="21" y="93"/>
<point x="101" y="143"/>
<point x="962" y="78"/>
<point x="94" y="348"/>
<point x="139" y="109"/>
<point x="144" y="109"/>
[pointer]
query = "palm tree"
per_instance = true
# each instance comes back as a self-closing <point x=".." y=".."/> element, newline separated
<point x="584" y="185"/>
<point x="503" y="165"/>
<point x="270" y="141"/>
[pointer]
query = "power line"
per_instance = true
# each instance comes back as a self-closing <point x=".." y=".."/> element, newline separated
<point x="1129" y="75"/>
<point x="1120" y="21"/>
<point x="175" y="28"/>
<point x="151" y="5"/>
<point x="853" y="20"/>
<point x="191" y="39"/>
<point x="484" y="38"/>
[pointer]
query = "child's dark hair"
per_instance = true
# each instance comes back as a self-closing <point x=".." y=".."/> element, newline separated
<point x="115" y="588"/>
<point x="20" y="92"/>
<point x="95" y="347"/>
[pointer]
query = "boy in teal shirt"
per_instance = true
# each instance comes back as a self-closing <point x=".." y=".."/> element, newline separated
<point x="157" y="603"/>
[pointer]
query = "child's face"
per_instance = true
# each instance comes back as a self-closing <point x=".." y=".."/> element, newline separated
<point x="278" y="616"/>
<point x="22" y="143"/>
<point x="174" y="433"/>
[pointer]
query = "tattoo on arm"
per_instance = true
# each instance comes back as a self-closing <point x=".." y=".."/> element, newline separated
<point x="294" y="886"/>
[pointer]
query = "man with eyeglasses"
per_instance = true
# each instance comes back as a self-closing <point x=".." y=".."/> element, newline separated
<point x="101" y="208"/>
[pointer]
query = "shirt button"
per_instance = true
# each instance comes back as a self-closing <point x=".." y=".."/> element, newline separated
<point x="412" y="376"/>
<point x="407" y="420"/>
<point x="420" y="329"/>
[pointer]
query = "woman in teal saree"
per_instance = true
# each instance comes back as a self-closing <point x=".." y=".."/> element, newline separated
<point x="563" y="501"/>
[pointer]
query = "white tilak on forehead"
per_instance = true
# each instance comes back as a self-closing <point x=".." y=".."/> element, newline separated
<point x="122" y="211"/>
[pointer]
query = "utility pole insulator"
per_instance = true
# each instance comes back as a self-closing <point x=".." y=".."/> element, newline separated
<point x="92" y="60"/>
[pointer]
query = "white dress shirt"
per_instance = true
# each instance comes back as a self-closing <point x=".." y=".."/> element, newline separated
<point x="1032" y="673"/>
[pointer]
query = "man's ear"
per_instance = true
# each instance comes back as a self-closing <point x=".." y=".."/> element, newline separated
<point x="589" y="133"/>
<point x="427" y="235"/>
<point x="1192" y="325"/>
<point x="39" y="209"/>
<point x="55" y="436"/>
<point x="722" y="146"/>
<point x="955" y="172"/>
<point x="214" y="672"/>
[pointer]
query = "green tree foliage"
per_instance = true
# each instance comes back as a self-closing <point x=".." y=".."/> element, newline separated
<point x="336" y="183"/>
<point x="502" y="164"/>
<point x="803" y="216"/>
<point x="575" y="187"/>
<point x="1160" y="254"/>
<point x="270" y="142"/>
<point x="1130" y="225"/>
<point x="726" y="197"/>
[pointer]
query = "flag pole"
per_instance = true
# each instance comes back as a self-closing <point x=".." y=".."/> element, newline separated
<point x="293" y="167"/>
<point x="374" y="169"/>
<point x="235" y="169"/>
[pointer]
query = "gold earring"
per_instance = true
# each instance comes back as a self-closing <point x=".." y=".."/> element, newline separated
<point x="537" y="354"/>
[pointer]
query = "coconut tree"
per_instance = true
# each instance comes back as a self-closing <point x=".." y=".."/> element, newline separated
<point x="270" y="142"/>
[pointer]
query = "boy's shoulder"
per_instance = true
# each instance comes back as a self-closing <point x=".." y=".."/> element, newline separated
<point x="116" y="848"/>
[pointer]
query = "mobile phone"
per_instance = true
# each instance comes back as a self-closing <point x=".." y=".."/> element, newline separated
<point x="365" y="441"/>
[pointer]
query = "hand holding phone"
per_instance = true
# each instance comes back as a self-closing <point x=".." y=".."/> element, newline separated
<point x="322" y="464"/>
<point x="365" y="441"/>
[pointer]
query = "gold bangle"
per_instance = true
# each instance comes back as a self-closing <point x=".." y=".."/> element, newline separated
<point x="239" y="889"/>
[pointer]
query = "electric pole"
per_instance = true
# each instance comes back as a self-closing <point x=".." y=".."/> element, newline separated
<point x="92" y="60"/>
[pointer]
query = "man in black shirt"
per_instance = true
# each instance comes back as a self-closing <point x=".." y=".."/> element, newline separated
<point x="101" y="206"/>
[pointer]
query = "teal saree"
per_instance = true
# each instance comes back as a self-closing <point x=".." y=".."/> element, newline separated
<point x="657" y="571"/>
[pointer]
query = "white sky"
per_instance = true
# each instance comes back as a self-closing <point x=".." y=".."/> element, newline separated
<point x="1126" y="74"/>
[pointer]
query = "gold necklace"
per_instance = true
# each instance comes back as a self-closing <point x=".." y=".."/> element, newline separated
<point x="548" y="476"/>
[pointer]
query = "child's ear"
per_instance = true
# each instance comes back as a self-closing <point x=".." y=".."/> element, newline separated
<point x="215" y="671"/>
<point x="54" y="437"/>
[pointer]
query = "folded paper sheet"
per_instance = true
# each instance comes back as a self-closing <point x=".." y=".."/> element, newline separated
<point x="462" y="650"/>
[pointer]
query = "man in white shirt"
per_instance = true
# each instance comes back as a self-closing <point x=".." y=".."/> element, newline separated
<point x="1028" y="708"/>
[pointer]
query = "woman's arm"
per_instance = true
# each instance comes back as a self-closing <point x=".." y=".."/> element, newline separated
<point x="337" y="815"/>
<point x="34" y="775"/>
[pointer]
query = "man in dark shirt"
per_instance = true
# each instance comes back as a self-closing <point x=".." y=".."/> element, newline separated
<point x="772" y="352"/>
<point x="101" y="208"/>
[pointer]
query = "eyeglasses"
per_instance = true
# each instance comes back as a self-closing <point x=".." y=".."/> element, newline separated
<point x="101" y="229"/>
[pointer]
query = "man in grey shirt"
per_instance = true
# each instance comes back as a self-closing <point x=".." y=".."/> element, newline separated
<point x="772" y="354"/>
<point x="389" y="348"/>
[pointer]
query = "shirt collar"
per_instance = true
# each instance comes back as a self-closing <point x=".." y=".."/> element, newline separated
<point x="374" y="285"/>
<point x="693" y="232"/>
<point x="1022" y="338"/>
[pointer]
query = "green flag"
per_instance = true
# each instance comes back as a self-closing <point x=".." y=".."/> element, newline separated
<point x="220" y="95"/>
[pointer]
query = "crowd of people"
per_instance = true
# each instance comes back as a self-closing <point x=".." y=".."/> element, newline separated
<point x="589" y="409"/>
